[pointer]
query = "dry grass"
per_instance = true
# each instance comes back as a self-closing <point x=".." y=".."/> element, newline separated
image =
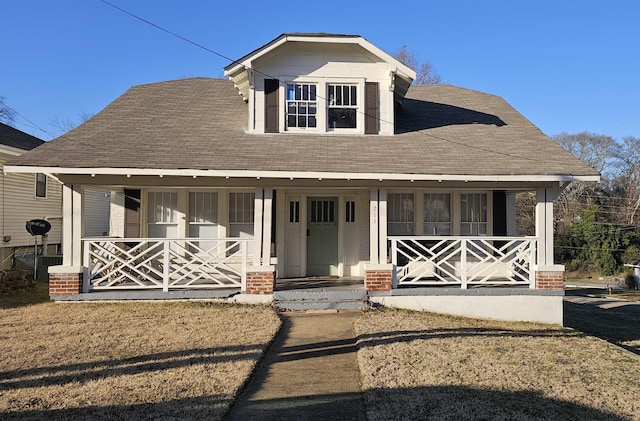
<point x="127" y="361"/>
<point x="422" y="366"/>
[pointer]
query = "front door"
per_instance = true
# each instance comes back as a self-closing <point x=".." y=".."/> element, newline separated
<point x="322" y="236"/>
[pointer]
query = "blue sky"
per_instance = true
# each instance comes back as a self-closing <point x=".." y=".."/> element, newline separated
<point x="566" y="65"/>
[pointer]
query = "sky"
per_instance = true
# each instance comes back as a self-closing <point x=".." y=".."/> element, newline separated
<point x="566" y="65"/>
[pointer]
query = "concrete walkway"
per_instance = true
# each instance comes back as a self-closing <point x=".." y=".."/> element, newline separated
<point x="310" y="372"/>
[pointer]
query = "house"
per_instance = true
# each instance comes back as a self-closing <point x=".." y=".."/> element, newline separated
<point x="24" y="197"/>
<point x="317" y="158"/>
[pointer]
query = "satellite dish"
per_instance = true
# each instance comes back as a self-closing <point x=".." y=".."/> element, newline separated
<point x="38" y="227"/>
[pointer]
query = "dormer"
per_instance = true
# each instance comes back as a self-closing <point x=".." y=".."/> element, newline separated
<point x="321" y="84"/>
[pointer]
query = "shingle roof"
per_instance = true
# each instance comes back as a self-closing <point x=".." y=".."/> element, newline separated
<point x="201" y="123"/>
<point x="18" y="139"/>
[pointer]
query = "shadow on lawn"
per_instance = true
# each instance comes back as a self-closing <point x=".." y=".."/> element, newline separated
<point x="36" y="295"/>
<point x="611" y="324"/>
<point x="204" y="407"/>
<point x="421" y="403"/>
<point x="318" y="349"/>
<point x="95" y="370"/>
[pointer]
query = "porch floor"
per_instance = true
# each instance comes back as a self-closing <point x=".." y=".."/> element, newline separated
<point x="345" y="286"/>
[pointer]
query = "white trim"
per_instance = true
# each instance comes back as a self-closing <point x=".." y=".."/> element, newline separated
<point x="76" y="244"/>
<point x="394" y="63"/>
<point x="297" y="174"/>
<point x="10" y="150"/>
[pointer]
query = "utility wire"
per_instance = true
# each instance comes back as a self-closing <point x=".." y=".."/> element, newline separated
<point x="510" y="155"/>
<point x="34" y="125"/>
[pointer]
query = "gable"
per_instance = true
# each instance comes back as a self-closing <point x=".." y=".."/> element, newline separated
<point x="315" y="73"/>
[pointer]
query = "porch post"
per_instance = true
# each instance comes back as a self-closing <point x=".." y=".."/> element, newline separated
<point x="382" y="226"/>
<point x="76" y="260"/>
<point x="267" y="211"/>
<point x="260" y="278"/>
<point x="378" y="276"/>
<point x="67" y="224"/>
<point x="374" y="255"/>
<point x="548" y="274"/>
<point x="257" y="227"/>
<point x="67" y="279"/>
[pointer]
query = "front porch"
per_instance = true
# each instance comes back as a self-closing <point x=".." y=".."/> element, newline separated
<point x="183" y="264"/>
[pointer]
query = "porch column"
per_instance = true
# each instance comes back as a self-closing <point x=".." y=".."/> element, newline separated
<point x="378" y="226"/>
<point x="378" y="276"/>
<point x="548" y="274"/>
<point x="374" y="255"/>
<point x="261" y="276"/>
<point x="262" y="227"/>
<point x="67" y="279"/>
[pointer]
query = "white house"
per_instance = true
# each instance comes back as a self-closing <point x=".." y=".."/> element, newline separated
<point x="317" y="158"/>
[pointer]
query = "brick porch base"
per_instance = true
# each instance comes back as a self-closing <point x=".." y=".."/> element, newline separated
<point x="64" y="281"/>
<point x="261" y="280"/>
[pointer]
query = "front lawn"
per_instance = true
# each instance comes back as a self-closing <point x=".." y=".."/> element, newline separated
<point x="126" y="360"/>
<point x="423" y="366"/>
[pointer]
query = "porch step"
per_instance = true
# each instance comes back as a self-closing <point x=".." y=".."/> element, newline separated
<point x="319" y="299"/>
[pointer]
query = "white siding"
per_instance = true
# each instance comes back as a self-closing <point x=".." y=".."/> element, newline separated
<point x="116" y="213"/>
<point x="19" y="205"/>
<point x="322" y="64"/>
<point x="96" y="212"/>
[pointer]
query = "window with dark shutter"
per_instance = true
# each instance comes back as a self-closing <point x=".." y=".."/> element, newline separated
<point x="372" y="108"/>
<point x="271" y="109"/>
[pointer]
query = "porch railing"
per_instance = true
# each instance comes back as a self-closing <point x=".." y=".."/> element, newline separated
<point x="438" y="260"/>
<point x="166" y="264"/>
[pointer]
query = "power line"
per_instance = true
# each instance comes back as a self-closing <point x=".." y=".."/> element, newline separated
<point x="510" y="155"/>
<point x="33" y="125"/>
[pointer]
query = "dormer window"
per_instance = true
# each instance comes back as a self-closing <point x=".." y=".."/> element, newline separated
<point x="302" y="105"/>
<point x="320" y="84"/>
<point x="342" y="106"/>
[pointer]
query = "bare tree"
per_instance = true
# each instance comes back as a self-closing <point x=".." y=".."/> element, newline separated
<point x="426" y="74"/>
<point x="6" y="113"/>
<point x="64" y="125"/>
<point x="597" y="151"/>
<point x="627" y="181"/>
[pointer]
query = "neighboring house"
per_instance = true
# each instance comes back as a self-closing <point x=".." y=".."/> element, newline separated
<point x="317" y="158"/>
<point x="24" y="197"/>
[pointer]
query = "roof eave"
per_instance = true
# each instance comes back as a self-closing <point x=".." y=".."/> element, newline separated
<point x="302" y="174"/>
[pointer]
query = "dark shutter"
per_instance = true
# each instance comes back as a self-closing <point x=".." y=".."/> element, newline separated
<point x="372" y="110"/>
<point x="132" y="213"/>
<point x="499" y="216"/>
<point x="271" y="114"/>
<point x="499" y="213"/>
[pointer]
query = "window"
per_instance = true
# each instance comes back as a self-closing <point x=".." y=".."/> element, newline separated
<point x="41" y="185"/>
<point x="322" y="211"/>
<point x="241" y="207"/>
<point x="302" y="105"/>
<point x="294" y="212"/>
<point x="437" y="214"/>
<point x="400" y="214"/>
<point x="473" y="214"/>
<point x="350" y="211"/>
<point x="203" y="214"/>
<point x="162" y="214"/>
<point x="342" y="105"/>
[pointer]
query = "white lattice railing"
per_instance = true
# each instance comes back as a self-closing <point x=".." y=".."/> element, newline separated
<point x="159" y="263"/>
<point x="439" y="260"/>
